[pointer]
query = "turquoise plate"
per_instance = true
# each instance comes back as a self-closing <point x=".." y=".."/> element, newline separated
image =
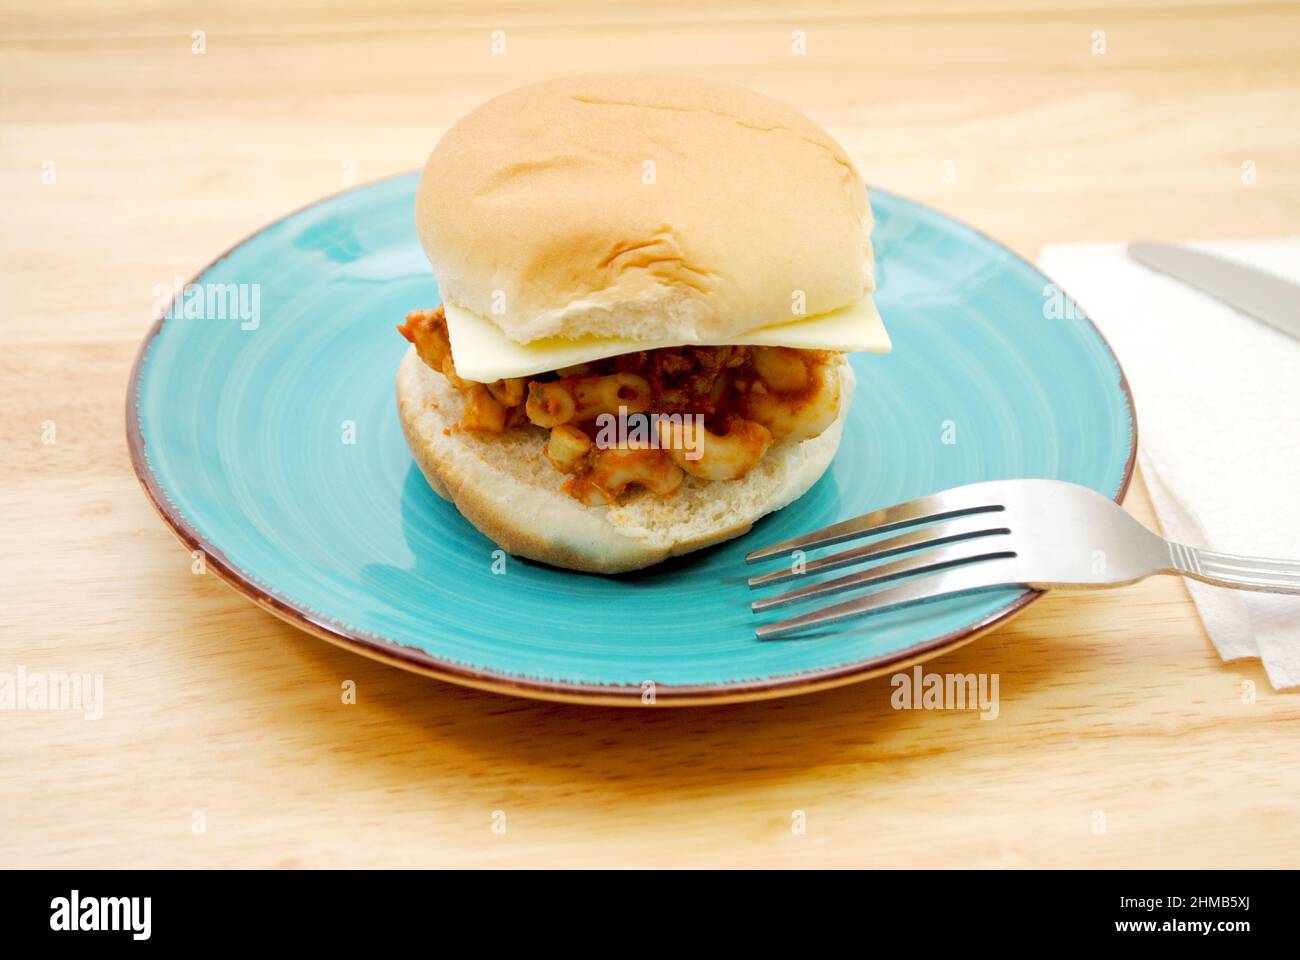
<point x="268" y="437"/>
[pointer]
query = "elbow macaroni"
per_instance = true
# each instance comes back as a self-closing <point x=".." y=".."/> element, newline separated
<point x="780" y="369"/>
<point x="482" y="411"/>
<point x="566" y="447"/>
<point x="549" y="404"/>
<point x="509" y="393"/>
<point x="720" y="409"/>
<point x="611" y="394"/>
<point x="580" y="399"/>
<point x="615" y="470"/>
<point x="719" y="456"/>
<point x="799" y="415"/>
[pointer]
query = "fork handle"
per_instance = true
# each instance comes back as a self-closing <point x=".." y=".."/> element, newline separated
<point x="1241" y="573"/>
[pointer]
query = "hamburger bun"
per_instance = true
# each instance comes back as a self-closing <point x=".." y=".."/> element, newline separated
<point x="661" y="208"/>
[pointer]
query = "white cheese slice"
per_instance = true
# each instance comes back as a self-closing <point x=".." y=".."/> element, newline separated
<point x="483" y="353"/>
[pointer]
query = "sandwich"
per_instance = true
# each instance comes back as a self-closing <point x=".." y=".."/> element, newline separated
<point x="649" y="285"/>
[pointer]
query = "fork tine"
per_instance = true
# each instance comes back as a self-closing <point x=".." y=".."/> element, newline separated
<point x="963" y="528"/>
<point x="994" y="573"/>
<point x="907" y="514"/>
<point x="927" y="562"/>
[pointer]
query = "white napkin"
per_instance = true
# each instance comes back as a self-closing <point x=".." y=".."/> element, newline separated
<point x="1218" y="407"/>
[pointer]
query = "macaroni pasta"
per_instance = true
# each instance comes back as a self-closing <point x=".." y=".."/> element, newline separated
<point x="715" y="411"/>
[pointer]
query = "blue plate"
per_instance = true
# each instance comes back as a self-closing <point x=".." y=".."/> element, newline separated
<point x="266" y="434"/>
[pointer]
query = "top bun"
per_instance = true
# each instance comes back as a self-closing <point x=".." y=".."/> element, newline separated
<point x="661" y="208"/>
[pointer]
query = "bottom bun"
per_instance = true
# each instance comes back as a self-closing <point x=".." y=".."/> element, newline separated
<point x="506" y="487"/>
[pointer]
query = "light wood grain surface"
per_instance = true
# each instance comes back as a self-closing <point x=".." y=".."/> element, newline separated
<point x="216" y="713"/>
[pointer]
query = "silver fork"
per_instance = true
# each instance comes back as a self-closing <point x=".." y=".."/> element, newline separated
<point x="1033" y="533"/>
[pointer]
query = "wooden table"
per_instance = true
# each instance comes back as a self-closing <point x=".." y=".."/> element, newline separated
<point x="128" y="159"/>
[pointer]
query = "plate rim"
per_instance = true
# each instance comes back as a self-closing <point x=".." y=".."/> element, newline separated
<point x="392" y="653"/>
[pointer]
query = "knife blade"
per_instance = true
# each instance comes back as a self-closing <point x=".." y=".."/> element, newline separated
<point x="1266" y="297"/>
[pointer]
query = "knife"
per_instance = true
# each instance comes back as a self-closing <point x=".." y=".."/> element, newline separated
<point x="1266" y="297"/>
